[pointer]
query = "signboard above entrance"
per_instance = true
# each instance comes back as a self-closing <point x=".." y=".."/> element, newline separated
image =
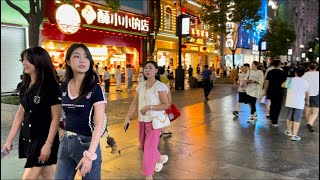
<point x="98" y="17"/>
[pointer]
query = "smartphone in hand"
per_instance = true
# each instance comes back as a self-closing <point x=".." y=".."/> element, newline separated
<point x="126" y="127"/>
<point x="126" y="124"/>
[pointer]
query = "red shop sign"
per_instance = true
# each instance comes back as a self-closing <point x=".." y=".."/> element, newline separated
<point x="98" y="17"/>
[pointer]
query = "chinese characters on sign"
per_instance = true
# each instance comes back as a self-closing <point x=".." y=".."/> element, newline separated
<point x="105" y="17"/>
<point x="230" y="25"/>
<point x="198" y="33"/>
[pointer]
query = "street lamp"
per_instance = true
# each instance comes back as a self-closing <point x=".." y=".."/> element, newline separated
<point x="300" y="50"/>
<point x="289" y="54"/>
<point x="183" y="30"/>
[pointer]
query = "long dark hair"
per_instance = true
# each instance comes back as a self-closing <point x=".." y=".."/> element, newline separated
<point x="90" y="78"/>
<point x="45" y="71"/>
<point x="156" y="66"/>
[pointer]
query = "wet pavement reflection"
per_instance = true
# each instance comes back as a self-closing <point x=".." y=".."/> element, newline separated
<point x="208" y="142"/>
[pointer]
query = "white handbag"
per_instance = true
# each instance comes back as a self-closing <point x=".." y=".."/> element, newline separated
<point x="160" y="121"/>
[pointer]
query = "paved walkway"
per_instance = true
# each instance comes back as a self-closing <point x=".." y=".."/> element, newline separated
<point x="207" y="143"/>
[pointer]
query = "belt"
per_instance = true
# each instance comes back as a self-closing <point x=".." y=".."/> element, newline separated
<point x="70" y="133"/>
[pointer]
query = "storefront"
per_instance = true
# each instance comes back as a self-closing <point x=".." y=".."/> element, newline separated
<point x="113" y="38"/>
<point x="196" y="49"/>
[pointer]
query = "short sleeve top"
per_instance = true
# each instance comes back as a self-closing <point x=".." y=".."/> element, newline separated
<point x="79" y="115"/>
<point x="149" y="97"/>
<point x="37" y="110"/>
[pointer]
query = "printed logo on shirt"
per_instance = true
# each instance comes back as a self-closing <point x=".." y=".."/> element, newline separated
<point x="64" y="93"/>
<point x="88" y="95"/>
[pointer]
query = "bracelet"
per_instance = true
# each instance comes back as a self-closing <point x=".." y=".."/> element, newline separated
<point x="91" y="157"/>
<point x="47" y="141"/>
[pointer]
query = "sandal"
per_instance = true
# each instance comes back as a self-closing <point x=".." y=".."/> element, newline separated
<point x="159" y="165"/>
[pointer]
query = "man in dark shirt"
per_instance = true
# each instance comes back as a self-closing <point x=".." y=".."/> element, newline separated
<point x="190" y="71"/>
<point x="274" y="90"/>
<point x="206" y="81"/>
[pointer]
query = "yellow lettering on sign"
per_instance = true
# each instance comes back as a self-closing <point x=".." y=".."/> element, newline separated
<point x="194" y="48"/>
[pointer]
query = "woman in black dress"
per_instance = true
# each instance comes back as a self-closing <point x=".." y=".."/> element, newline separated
<point x="38" y="115"/>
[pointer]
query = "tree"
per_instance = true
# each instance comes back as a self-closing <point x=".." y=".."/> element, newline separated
<point x="113" y="4"/>
<point x="34" y="18"/>
<point x="244" y="13"/>
<point x="279" y="38"/>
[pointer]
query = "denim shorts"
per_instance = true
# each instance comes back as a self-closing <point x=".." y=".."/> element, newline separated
<point x="294" y="114"/>
<point x="314" y="101"/>
<point x="71" y="152"/>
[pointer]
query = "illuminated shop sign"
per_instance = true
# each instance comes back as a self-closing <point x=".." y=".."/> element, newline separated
<point x="197" y="41"/>
<point x="194" y="48"/>
<point x="230" y="25"/>
<point x="68" y="19"/>
<point x="199" y="33"/>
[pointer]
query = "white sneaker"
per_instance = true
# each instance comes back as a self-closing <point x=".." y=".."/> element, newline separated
<point x="251" y="118"/>
<point x="159" y="165"/>
<point x="295" y="138"/>
<point x="288" y="133"/>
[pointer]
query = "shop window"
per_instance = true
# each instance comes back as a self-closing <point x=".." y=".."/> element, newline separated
<point x="168" y="16"/>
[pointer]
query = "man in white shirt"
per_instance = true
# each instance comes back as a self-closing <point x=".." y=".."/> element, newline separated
<point x="118" y="78"/>
<point x="297" y="97"/>
<point x="128" y="77"/>
<point x="312" y="111"/>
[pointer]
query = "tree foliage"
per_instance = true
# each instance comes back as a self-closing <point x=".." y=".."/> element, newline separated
<point x="244" y="13"/>
<point x="113" y="4"/>
<point x="280" y="37"/>
<point x="34" y="18"/>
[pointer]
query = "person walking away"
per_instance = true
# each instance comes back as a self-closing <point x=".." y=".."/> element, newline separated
<point x="206" y="81"/>
<point x="163" y="79"/>
<point x="221" y="71"/>
<point x="312" y="111"/>
<point x="106" y="77"/>
<point x="171" y="80"/>
<point x="141" y="76"/>
<point x="255" y="79"/>
<point x="297" y="97"/>
<point x="268" y="104"/>
<point x="118" y="78"/>
<point x="38" y="115"/>
<point x="190" y="71"/>
<point x="151" y="99"/>
<point x="234" y="76"/>
<point x="242" y="95"/>
<point x="128" y="78"/>
<point x="274" y="91"/>
<point x="60" y="72"/>
<point x="198" y="69"/>
<point x="97" y="72"/>
<point x="83" y="102"/>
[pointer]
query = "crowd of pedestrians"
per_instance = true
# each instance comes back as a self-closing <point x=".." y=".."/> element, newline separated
<point x="298" y="84"/>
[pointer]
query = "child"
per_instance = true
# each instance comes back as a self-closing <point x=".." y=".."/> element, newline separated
<point x="297" y="97"/>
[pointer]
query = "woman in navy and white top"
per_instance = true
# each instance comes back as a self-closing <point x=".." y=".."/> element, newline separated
<point x="151" y="99"/>
<point x="83" y="102"/>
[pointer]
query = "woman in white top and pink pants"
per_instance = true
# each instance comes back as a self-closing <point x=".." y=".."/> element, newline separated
<point x="150" y="100"/>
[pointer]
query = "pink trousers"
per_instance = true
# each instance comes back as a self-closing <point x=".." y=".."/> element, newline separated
<point x="149" y="140"/>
